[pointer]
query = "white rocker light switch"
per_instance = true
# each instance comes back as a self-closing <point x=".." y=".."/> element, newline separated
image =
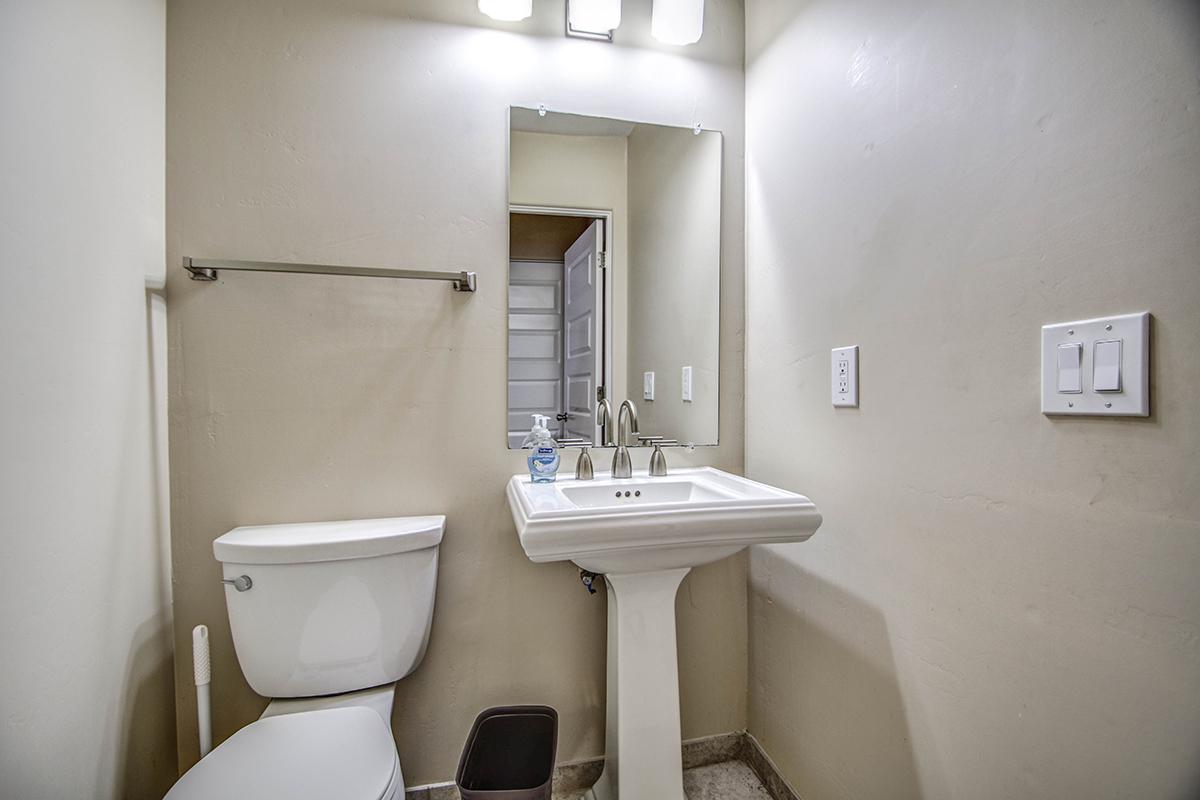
<point x="1106" y="366"/>
<point x="1070" y="370"/>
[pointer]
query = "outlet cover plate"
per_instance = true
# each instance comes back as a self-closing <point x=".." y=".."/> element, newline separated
<point x="844" y="377"/>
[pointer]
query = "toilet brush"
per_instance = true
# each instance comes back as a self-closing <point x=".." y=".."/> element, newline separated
<point x="203" y="673"/>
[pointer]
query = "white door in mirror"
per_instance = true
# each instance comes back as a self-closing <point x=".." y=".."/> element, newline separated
<point x="1097" y="366"/>
<point x="844" y="384"/>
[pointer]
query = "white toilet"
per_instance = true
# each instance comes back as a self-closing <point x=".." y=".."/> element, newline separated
<point x="326" y="617"/>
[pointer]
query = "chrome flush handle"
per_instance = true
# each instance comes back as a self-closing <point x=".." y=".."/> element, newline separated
<point x="242" y="582"/>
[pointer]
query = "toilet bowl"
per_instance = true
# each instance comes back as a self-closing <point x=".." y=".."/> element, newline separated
<point x="327" y="617"/>
<point x="314" y="755"/>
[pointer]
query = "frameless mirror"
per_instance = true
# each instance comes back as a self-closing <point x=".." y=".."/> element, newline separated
<point x="614" y="276"/>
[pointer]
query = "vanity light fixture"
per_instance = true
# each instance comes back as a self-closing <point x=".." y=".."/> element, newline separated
<point x="677" y="21"/>
<point x="507" y="10"/>
<point x="593" y="19"/>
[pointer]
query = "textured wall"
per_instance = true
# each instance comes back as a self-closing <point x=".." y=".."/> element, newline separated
<point x="86" y="701"/>
<point x="355" y="132"/>
<point x="999" y="604"/>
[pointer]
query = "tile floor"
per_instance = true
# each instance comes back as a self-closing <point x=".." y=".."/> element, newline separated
<point x="727" y="780"/>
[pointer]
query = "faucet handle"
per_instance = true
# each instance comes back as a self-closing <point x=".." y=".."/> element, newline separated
<point x="583" y="466"/>
<point x="658" y="461"/>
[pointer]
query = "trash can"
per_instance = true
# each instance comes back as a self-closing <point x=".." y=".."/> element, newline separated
<point x="509" y="754"/>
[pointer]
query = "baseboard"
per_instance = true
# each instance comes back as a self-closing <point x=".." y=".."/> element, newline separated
<point x="577" y="775"/>
<point x="754" y="756"/>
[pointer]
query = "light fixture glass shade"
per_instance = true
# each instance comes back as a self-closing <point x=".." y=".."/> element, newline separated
<point x="594" y="16"/>
<point x="507" y="10"/>
<point x="677" y="21"/>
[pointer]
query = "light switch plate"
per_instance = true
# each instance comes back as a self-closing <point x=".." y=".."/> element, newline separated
<point x="844" y="376"/>
<point x="1133" y="397"/>
<point x="647" y="385"/>
<point x="686" y="383"/>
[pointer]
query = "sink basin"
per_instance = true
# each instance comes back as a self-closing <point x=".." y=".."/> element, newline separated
<point x="643" y="535"/>
<point x="648" y="492"/>
<point x="685" y="519"/>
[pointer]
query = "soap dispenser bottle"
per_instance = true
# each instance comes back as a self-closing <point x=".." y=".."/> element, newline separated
<point x="543" y="461"/>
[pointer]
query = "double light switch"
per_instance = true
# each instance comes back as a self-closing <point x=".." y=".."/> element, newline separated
<point x="1097" y="366"/>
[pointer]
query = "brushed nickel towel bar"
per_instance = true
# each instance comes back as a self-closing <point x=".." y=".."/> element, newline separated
<point x="205" y="269"/>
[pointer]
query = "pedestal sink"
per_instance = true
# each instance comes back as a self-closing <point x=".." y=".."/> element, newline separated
<point x="644" y="534"/>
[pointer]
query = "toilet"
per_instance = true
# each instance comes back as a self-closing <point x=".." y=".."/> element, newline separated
<point x="326" y="617"/>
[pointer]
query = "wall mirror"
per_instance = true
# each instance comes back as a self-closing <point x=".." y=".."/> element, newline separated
<point x="614" y="276"/>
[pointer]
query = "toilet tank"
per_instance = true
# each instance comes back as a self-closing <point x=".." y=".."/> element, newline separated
<point x="331" y="607"/>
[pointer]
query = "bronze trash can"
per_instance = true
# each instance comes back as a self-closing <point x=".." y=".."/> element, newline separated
<point x="509" y="754"/>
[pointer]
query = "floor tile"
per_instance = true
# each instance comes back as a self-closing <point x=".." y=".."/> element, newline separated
<point x="728" y="780"/>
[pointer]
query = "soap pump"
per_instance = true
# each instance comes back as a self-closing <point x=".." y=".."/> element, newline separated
<point x="543" y="461"/>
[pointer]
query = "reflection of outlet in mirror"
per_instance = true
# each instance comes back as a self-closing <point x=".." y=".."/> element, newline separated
<point x="687" y="384"/>
<point x="647" y="385"/>
<point x="844" y="378"/>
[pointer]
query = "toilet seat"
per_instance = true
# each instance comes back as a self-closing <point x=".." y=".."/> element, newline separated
<point x="330" y="754"/>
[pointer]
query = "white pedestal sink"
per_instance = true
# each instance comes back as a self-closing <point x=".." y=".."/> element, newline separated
<point x="644" y="534"/>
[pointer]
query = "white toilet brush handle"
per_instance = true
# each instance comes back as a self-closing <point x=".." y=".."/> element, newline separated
<point x="203" y="672"/>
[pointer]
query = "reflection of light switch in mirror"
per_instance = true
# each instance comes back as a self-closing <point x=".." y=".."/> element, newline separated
<point x="1070" y="359"/>
<point x="1106" y="366"/>
<point x="687" y="384"/>
<point x="647" y="385"/>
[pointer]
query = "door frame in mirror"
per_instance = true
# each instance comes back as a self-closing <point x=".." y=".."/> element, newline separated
<point x="605" y="216"/>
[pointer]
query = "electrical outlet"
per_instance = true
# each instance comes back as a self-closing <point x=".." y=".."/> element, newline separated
<point x="686" y="382"/>
<point x="844" y="383"/>
<point x="647" y="385"/>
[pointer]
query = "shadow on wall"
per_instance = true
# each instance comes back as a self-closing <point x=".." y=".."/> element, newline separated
<point x="147" y="733"/>
<point x="147" y="764"/>
<point x="826" y="704"/>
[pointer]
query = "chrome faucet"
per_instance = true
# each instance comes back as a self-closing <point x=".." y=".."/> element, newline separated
<point x="622" y="466"/>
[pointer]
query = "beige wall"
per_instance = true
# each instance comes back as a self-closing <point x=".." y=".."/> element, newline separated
<point x="999" y="604"/>
<point x="85" y="645"/>
<point x="356" y="133"/>
<point x="590" y="172"/>
<point x="674" y="277"/>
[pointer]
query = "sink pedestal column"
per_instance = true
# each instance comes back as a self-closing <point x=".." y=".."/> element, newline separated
<point x="642" y="736"/>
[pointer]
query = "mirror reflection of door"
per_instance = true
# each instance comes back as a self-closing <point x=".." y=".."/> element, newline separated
<point x="555" y="298"/>
<point x="582" y="306"/>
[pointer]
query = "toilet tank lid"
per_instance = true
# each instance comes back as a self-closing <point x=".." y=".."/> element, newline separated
<point x="306" y="542"/>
